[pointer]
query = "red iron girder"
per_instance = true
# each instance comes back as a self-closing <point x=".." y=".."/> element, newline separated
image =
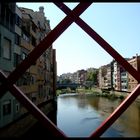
<point x="125" y="104"/>
<point x="117" y="112"/>
<point x="44" y="44"/>
<point x="102" y="43"/>
<point x="8" y="82"/>
<point x="33" y="109"/>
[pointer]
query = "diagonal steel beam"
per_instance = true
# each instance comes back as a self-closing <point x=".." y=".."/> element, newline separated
<point x="127" y="102"/>
<point x="102" y="42"/>
<point x="117" y="112"/>
<point x="8" y="82"/>
<point x="44" y="44"/>
<point x="33" y="109"/>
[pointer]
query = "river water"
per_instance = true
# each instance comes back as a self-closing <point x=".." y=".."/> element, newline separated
<point x="80" y="115"/>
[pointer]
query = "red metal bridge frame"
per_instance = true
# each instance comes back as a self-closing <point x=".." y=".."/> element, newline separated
<point x="72" y="16"/>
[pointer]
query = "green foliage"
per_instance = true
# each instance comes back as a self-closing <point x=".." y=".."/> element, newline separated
<point x="66" y="81"/>
<point x="121" y="97"/>
<point x="92" y="76"/>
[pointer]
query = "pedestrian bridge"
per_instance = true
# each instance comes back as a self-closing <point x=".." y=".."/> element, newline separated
<point x="8" y="82"/>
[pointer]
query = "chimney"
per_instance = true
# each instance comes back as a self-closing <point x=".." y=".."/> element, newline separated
<point x="41" y="9"/>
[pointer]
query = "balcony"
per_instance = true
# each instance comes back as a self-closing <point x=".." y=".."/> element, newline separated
<point x="31" y="47"/>
<point x="40" y="77"/>
<point x="27" y="89"/>
<point x="25" y="44"/>
<point x="32" y="33"/>
<point x="33" y="69"/>
<point x="17" y="30"/>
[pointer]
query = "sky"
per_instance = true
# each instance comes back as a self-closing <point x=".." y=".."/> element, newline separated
<point x="117" y="23"/>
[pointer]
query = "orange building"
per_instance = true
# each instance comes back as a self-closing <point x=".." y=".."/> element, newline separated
<point x="132" y="83"/>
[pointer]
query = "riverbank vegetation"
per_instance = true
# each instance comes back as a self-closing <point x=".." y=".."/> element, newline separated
<point x="98" y="92"/>
<point x="94" y="91"/>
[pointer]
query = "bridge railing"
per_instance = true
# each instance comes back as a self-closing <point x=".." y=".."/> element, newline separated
<point x="8" y="83"/>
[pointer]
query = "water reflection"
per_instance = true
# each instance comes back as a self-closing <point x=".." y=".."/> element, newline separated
<point x="79" y="116"/>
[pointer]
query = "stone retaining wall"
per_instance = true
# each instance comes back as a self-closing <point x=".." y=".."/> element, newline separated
<point x="18" y="128"/>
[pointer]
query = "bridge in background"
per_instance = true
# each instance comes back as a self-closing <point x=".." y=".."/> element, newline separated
<point x="72" y="86"/>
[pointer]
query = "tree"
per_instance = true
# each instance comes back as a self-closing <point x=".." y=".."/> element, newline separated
<point x="92" y="76"/>
<point x="66" y="81"/>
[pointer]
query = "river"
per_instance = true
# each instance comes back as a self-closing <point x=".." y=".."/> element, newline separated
<point x="80" y="115"/>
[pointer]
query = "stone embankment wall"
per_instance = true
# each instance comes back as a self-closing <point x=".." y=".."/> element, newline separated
<point x="24" y="123"/>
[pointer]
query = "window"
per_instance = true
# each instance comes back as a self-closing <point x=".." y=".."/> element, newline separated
<point x="18" y="21"/>
<point x="7" y="16"/>
<point x="33" y="80"/>
<point x="33" y="27"/>
<point x="132" y="80"/>
<point x="38" y="22"/>
<point x="25" y="37"/>
<point x="17" y="107"/>
<point x="6" y="108"/>
<point x="0" y="44"/>
<point x="33" y="99"/>
<point x="12" y="19"/>
<point x="19" y="82"/>
<point x="40" y="90"/>
<point x="16" y="59"/>
<point x="7" y="49"/>
<point x="0" y="11"/>
<point x="135" y="65"/>
<point x="24" y="55"/>
<point x="33" y="41"/>
<point x="17" y="39"/>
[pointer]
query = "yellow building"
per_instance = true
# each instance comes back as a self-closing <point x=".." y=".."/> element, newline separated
<point x="28" y="83"/>
<point x="40" y="75"/>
